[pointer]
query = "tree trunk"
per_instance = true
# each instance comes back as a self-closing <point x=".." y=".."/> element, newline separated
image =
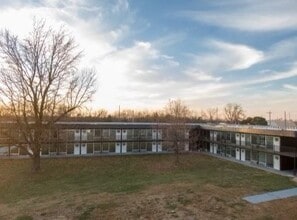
<point x="36" y="163"/>
<point x="176" y="154"/>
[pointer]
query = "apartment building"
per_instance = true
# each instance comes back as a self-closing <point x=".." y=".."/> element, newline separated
<point x="264" y="146"/>
<point x="91" y="138"/>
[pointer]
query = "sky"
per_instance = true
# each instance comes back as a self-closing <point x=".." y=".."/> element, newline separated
<point x="207" y="53"/>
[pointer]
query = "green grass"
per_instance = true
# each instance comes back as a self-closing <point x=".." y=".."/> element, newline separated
<point x="126" y="174"/>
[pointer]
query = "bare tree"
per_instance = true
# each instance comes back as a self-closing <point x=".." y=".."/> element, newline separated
<point x="40" y="83"/>
<point x="211" y="114"/>
<point x="177" y="130"/>
<point x="233" y="113"/>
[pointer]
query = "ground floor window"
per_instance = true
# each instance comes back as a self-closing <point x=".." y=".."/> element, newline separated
<point x="90" y="148"/>
<point x="255" y="156"/>
<point x="70" y="148"/>
<point x="269" y="160"/>
<point x="262" y="158"/>
<point x="97" y="148"/>
<point x="247" y="155"/>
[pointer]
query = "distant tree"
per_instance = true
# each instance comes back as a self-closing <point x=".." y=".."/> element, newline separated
<point x="233" y="113"/>
<point x="40" y="84"/>
<point x="100" y="113"/>
<point x="211" y="114"/>
<point x="257" y="120"/>
<point x="176" y="130"/>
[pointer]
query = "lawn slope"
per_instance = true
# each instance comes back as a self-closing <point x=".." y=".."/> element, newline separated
<point x="132" y="187"/>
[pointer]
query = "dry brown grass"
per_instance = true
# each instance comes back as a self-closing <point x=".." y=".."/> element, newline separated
<point x="196" y="190"/>
<point x="172" y="201"/>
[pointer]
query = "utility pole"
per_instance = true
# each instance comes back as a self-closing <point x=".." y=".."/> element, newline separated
<point x="295" y="171"/>
<point x="269" y="117"/>
<point x="285" y="120"/>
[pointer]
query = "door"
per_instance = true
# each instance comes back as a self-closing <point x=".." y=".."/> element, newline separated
<point x="76" y="149"/>
<point x="159" y="147"/>
<point x="84" y="135"/>
<point x="118" y="134"/>
<point x="77" y="135"/>
<point x="154" y="147"/>
<point x="215" y="148"/>
<point x="83" y="149"/>
<point x="118" y="147"/>
<point x="237" y="138"/>
<point x="124" y="147"/>
<point x="237" y="154"/>
<point x="124" y="134"/>
<point x="242" y="155"/>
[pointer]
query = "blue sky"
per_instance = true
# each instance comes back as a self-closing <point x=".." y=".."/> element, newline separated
<point x="207" y="53"/>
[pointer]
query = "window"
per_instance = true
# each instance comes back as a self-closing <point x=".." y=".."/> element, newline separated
<point x="258" y="140"/>
<point x="97" y="133"/>
<point x="255" y="156"/>
<point x="269" y="142"/>
<point x="105" y="133"/>
<point x="105" y="147"/>
<point x="97" y="147"/>
<point x="233" y="139"/>
<point x="248" y="139"/>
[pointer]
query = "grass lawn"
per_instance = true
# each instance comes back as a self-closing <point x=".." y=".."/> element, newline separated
<point x="133" y="187"/>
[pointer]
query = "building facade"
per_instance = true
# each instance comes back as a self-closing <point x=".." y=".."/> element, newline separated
<point x="263" y="146"/>
<point x="91" y="138"/>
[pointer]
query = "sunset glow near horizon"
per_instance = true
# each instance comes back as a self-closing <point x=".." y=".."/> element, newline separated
<point x="207" y="53"/>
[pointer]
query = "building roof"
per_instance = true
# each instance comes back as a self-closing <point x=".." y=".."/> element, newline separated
<point x="252" y="129"/>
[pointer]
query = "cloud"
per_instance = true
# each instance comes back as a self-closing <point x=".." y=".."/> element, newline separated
<point x="249" y="15"/>
<point x="245" y="91"/>
<point x="286" y="48"/>
<point x="222" y="56"/>
<point x="136" y="72"/>
<point x="238" y="56"/>
<point x="290" y="87"/>
<point x="120" y="5"/>
<point x="201" y="76"/>
<point x="274" y="76"/>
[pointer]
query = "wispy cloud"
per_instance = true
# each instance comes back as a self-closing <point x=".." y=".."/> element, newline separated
<point x="197" y="75"/>
<point x="286" y="48"/>
<point x="249" y="15"/>
<point x="120" y="6"/>
<point x="222" y="56"/>
<point x="290" y="87"/>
